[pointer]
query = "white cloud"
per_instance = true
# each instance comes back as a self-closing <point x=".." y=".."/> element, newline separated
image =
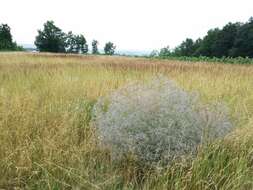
<point x="130" y="24"/>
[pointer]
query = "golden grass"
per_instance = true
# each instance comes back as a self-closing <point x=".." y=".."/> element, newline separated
<point x="47" y="143"/>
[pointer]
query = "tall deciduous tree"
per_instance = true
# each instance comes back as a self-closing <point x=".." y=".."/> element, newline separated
<point x="109" y="48"/>
<point x="95" y="47"/>
<point x="225" y="40"/>
<point x="5" y="37"/>
<point x="186" y="48"/>
<point x="207" y="46"/>
<point x="82" y="44"/>
<point x="243" y="45"/>
<point x="6" y="42"/>
<point x="50" y="39"/>
<point x="76" y="43"/>
<point x="164" y="52"/>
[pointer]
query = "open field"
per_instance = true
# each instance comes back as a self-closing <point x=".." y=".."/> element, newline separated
<point x="46" y="141"/>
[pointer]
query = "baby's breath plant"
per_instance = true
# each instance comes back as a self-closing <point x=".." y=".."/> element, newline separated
<point x="156" y="121"/>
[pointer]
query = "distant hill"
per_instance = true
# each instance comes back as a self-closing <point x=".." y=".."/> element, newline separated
<point x="133" y="52"/>
<point x="29" y="47"/>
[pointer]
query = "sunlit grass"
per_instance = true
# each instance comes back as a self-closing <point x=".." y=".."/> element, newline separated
<point x="47" y="141"/>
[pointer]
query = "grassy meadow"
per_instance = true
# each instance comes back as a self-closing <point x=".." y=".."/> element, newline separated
<point x="47" y="142"/>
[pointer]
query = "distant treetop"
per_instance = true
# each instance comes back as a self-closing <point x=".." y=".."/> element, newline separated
<point x="109" y="48"/>
<point x="52" y="39"/>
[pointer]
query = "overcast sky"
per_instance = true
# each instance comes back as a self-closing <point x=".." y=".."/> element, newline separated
<point x="130" y="24"/>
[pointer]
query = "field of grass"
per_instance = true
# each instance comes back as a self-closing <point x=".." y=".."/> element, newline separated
<point x="46" y="141"/>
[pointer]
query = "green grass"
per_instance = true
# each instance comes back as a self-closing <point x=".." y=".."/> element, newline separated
<point x="47" y="141"/>
<point x="228" y="60"/>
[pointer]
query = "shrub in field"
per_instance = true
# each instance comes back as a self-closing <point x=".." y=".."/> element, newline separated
<point x="156" y="121"/>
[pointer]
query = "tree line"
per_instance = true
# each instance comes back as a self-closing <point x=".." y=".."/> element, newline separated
<point x="52" y="39"/>
<point x="233" y="40"/>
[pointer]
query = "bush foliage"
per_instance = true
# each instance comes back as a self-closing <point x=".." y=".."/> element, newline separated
<point x="157" y="121"/>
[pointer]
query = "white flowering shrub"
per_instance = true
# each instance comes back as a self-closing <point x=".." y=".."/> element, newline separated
<point x="156" y="121"/>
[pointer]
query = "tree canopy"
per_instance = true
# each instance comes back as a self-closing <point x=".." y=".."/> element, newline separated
<point x="109" y="48"/>
<point x="53" y="39"/>
<point x="6" y="42"/>
<point x="95" y="47"/>
<point x="50" y="39"/>
<point x="76" y="43"/>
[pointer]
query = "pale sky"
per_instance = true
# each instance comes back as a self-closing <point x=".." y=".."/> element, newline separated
<point x="130" y="24"/>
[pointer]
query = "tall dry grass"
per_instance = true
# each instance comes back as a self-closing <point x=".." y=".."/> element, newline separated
<point x="46" y="141"/>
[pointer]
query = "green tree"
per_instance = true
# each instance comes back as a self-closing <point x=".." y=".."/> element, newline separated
<point x="109" y="48"/>
<point x="71" y="44"/>
<point x="207" y="46"/>
<point x="243" y="45"/>
<point x="165" y="52"/>
<point x="225" y="40"/>
<point x="186" y="48"/>
<point x="95" y="47"/>
<point x="82" y="44"/>
<point x="50" y="39"/>
<point x="76" y="43"/>
<point x="6" y="42"/>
